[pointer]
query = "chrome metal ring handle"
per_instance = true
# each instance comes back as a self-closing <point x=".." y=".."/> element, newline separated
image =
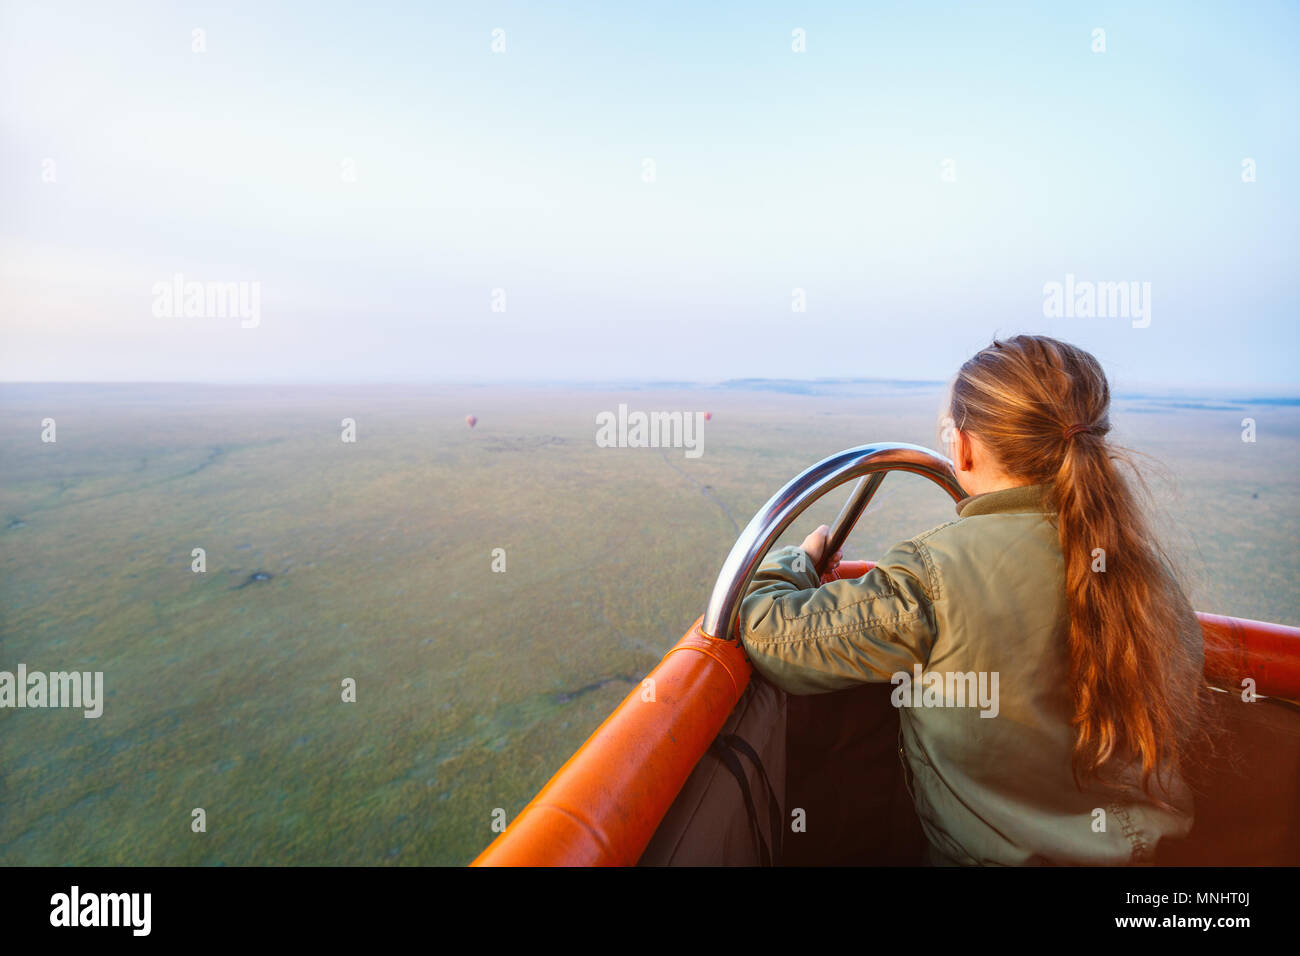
<point x="868" y="463"/>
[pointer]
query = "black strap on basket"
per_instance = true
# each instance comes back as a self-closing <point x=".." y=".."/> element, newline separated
<point x="776" y="818"/>
<point x="722" y="748"/>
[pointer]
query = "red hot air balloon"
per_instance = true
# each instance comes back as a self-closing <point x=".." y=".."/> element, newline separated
<point x="471" y="420"/>
<point x="708" y="416"/>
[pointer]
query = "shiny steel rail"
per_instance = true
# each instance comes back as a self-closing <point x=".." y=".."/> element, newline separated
<point x="867" y="463"/>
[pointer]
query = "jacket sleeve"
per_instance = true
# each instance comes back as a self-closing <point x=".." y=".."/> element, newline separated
<point x="810" y="639"/>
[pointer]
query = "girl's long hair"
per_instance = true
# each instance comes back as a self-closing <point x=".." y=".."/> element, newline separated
<point x="1041" y="407"/>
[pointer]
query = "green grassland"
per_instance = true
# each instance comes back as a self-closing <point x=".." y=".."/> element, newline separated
<point x="224" y="692"/>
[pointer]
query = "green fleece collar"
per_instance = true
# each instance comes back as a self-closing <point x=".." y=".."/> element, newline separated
<point x="1021" y="500"/>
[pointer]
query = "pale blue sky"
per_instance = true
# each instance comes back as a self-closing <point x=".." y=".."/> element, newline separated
<point x="522" y="170"/>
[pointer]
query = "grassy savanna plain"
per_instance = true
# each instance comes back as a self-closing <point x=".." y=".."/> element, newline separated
<point x="373" y="560"/>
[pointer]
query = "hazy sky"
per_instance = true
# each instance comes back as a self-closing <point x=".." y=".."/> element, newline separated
<point x="524" y="170"/>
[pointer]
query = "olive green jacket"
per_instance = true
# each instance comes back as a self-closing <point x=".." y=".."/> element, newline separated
<point x="975" y="609"/>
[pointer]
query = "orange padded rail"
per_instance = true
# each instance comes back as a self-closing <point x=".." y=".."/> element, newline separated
<point x="848" y="569"/>
<point x="1237" y="649"/>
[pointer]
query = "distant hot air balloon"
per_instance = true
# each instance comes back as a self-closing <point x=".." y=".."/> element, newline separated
<point x="708" y="416"/>
<point x="471" y="420"/>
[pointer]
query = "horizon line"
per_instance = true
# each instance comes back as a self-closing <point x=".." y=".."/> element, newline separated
<point x="755" y="383"/>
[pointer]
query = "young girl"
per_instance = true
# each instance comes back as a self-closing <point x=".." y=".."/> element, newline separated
<point x="1049" y="594"/>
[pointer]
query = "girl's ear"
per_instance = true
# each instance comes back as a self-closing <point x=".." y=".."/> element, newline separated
<point x="962" y="459"/>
